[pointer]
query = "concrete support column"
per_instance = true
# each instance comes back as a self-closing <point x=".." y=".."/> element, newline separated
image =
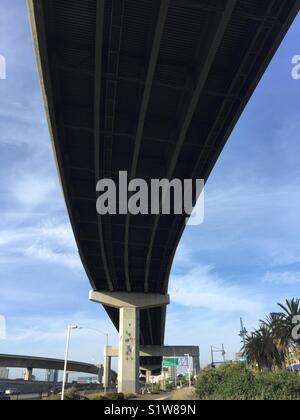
<point x="196" y="365"/>
<point x="28" y="374"/>
<point x="148" y="376"/>
<point x="106" y="369"/>
<point x="67" y="377"/>
<point x="129" y="305"/>
<point x="129" y="350"/>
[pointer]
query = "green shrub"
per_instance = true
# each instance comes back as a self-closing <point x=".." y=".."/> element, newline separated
<point x="130" y="397"/>
<point x="98" y="398"/>
<point x="113" y="396"/>
<point x="208" y="383"/>
<point x="170" y="387"/>
<point x="72" y="395"/>
<point x="281" y="385"/>
<point x="237" y="382"/>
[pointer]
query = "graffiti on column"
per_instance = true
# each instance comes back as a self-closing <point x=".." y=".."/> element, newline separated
<point x="129" y="340"/>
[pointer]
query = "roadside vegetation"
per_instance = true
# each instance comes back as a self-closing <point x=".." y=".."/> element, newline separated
<point x="72" y="394"/>
<point x="236" y="381"/>
<point x="271" y="350"/>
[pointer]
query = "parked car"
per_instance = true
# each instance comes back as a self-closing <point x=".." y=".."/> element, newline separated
<point x="3" y="396"/>
<point x="12" y="391"/>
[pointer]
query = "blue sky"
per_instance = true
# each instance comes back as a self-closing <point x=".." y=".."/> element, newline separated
<point x="242" y="261"/>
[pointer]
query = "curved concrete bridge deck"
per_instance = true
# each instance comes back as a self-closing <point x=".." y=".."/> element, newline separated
<point x="153" y="88"/>
<point x="30" y="363"/>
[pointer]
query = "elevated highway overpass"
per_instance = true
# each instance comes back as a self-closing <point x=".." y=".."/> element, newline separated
<point x="154" y="88"/>
<point x="29" y="363"/>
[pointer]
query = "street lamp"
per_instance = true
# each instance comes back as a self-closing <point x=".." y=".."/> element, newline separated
<point x="189" y="370"/>
<point x="96" y="330"/>
<point x="70" y="328"/>
<point x="99" y="332"/>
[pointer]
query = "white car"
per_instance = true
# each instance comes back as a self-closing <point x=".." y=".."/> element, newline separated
<point x="12" y="392"/>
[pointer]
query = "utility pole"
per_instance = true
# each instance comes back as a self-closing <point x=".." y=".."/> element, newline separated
<point x="243" y="335"/>
<point x="212" y="356"/>
<point x="220" y="351"/>
<point x="70" y="328"/>
<point x="223" y="353"/>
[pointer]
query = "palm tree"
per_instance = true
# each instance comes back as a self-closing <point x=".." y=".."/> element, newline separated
<point x="291" y="309"/>
<point x="275" y="323"/>
<point x="270" y="346"/>
<point x="261" y="349"/>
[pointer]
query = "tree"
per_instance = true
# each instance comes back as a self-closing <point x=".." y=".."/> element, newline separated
<point x="291" y="309"/>
<point x="276" y="324"/>
<point x="270" y="346"/>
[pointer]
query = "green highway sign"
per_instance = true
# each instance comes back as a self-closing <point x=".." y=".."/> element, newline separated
<point x="169" y="362"/>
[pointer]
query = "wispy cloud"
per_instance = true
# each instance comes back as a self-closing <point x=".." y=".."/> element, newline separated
<point x="52" y="243"/>
<point x="201" y="287"/>
<point x="49" y="256"/>
<point x="33" y="190"/>
<point x="283" y="278"/>
<point x="45" y="336"/>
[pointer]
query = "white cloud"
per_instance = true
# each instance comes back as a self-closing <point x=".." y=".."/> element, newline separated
<point x="34" y="189"/>
<point x="183" y="255"/>
<point x="45" y="336"/>
<point x="61" y="233"/>
<point x="52" y="257"/>
<point x="52" y="243"/>
<point x="202" y="288"/>
<point x="8" y="237"/>
<point x="283" y="278"/>
<point x="284" y="254"/>
<point x="49" y="329"/>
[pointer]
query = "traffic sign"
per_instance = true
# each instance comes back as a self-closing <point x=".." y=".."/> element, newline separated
<point x="169" y="362"/>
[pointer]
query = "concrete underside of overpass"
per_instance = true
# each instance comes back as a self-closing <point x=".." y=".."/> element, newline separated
<point x="154" y="88"/>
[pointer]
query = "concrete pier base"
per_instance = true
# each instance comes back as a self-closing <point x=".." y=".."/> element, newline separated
<point x="129" y="343"/>
<point x="28" y="374"/>
<point x="106" y="369"/>
<point x="196" y="365"/>
<point x="129" y="305"/>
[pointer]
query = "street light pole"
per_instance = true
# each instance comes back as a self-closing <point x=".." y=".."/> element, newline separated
<point x="70" y="327"/>
<point x="99" y="332"/>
